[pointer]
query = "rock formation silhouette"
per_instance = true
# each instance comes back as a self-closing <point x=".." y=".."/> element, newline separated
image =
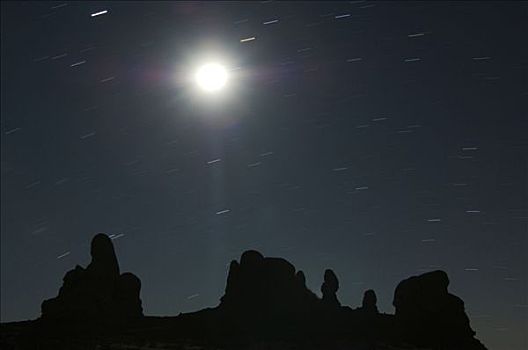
<point x="427" y="314"/>
<point x="98" y="292"/>
<point x="329" y="289"/>
<point x="263" y="283"/>
<point x="369" y="304"/>
<point x="263" y="293"/>
<point x="265" y="300"/>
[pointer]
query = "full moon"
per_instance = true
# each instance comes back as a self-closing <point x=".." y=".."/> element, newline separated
<point x="211" y="77"/>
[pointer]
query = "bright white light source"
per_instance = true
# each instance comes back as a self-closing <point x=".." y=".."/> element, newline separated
<point x="211" y="77"/>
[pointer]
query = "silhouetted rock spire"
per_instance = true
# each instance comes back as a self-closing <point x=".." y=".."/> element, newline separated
<point x="329" y="289"/>
<point x="97" y="292"/>
<point x="104" y="261"/>
<point x="369" y="302"/>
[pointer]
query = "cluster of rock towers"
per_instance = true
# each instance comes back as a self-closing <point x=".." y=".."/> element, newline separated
<point x="268" y="293"/>
<point x="97" y="292"/>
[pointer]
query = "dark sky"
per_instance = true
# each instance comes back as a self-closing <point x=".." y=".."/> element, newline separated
<point x="379" y="139"/>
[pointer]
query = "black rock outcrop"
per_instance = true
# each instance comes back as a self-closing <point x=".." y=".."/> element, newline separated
<point x="266" y="301"/>
<point x="427" y="314"/>
<point x="329" y="289"/>
<point x="261" y="289"/>
<point x="265" y="295"/>
<point x="369" y="304"/>
<point x="98" y="292"/>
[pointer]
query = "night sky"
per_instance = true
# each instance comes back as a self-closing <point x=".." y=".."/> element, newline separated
<point x="379" y="139"/>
